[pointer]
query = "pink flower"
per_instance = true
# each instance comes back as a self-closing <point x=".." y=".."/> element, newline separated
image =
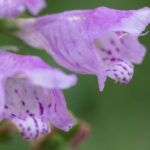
<point x="14" y="8"/>
<point x="31" y="95"/>
<point x="103" y="42"/>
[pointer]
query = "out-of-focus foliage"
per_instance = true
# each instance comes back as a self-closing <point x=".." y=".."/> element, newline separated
<point x="120" y="116"/>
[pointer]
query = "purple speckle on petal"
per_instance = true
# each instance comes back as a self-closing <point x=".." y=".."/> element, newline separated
<point x="15" y="90"/>
<point x="129" y="73"/>
<point x="43" y="130"/>
<point x="27" y="111"/>
<point x="49" y="106"/>
<point x="113" y="59"/>
<point x="55" y="108"/>
<point x="28" y="128"/>
<point x="35" y="94"/>
<point x="122" y="41"/>
<point x="109" y="52"/>
<point x="124" y="67"/>
<point x="41" y="109"/>
<point x="37" y="98"/>
<point x="20" y="125"/>
<point x="22" y="134"/>
<point x="122" y="73"/>
<point x="37" y="133"/>
<point x="35" y="121"/>
<point x="23" y="103"/>
<point x="13" y="115"/>
<point x="31" y="115"/>
<point x="112" y="42"/>
<point x="6" y="107"/>
<point x="124" y="79"/>
<point x="118" y="49"/>
<point x="116" y="75"/>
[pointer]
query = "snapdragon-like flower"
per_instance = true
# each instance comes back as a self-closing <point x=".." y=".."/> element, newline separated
<point x="103" y="41"/>
<point x="13" y="8"/>
<point x="31" y="95"/>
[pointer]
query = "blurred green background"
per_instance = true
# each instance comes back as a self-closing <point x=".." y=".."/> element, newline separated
<point x="120" y="115"/>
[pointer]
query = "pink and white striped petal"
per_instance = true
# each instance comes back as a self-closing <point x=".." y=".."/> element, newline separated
<point x="31" y="101"/>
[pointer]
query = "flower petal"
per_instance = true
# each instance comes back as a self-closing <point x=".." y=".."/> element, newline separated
<point x="11" y="8"/>
<point x="2" y="96"/>
<point x="35" y="6"/>
<point x="134" y="22"/>
<point x="70" y="55"/>
<point x="35" y="70"/>
<point x="59" y="115"/>
<point x="70" y="38"/>
<point x="120" y="45"/>
<point x="14" y="8"/>
<point x="29" y="102"/>
<point x="31" y="127"/>
<point x="121" y="71"/>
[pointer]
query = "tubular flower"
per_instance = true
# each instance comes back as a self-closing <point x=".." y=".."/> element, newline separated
<point x="13" y="8"/>
<point x="103" y="41"/>
<point x="31" y="95"/>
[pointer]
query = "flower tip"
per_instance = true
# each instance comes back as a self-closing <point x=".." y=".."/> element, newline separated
<point x="101" y="88"/>
<point x="73" y="79"/>
<point x="70" y="125"/>
<point x="101" y="82"/>
<point x="35" y="7"/>
<point x="70" y="122"/>
<point x="68" y="81"/>
<point x="145" y="11"/>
